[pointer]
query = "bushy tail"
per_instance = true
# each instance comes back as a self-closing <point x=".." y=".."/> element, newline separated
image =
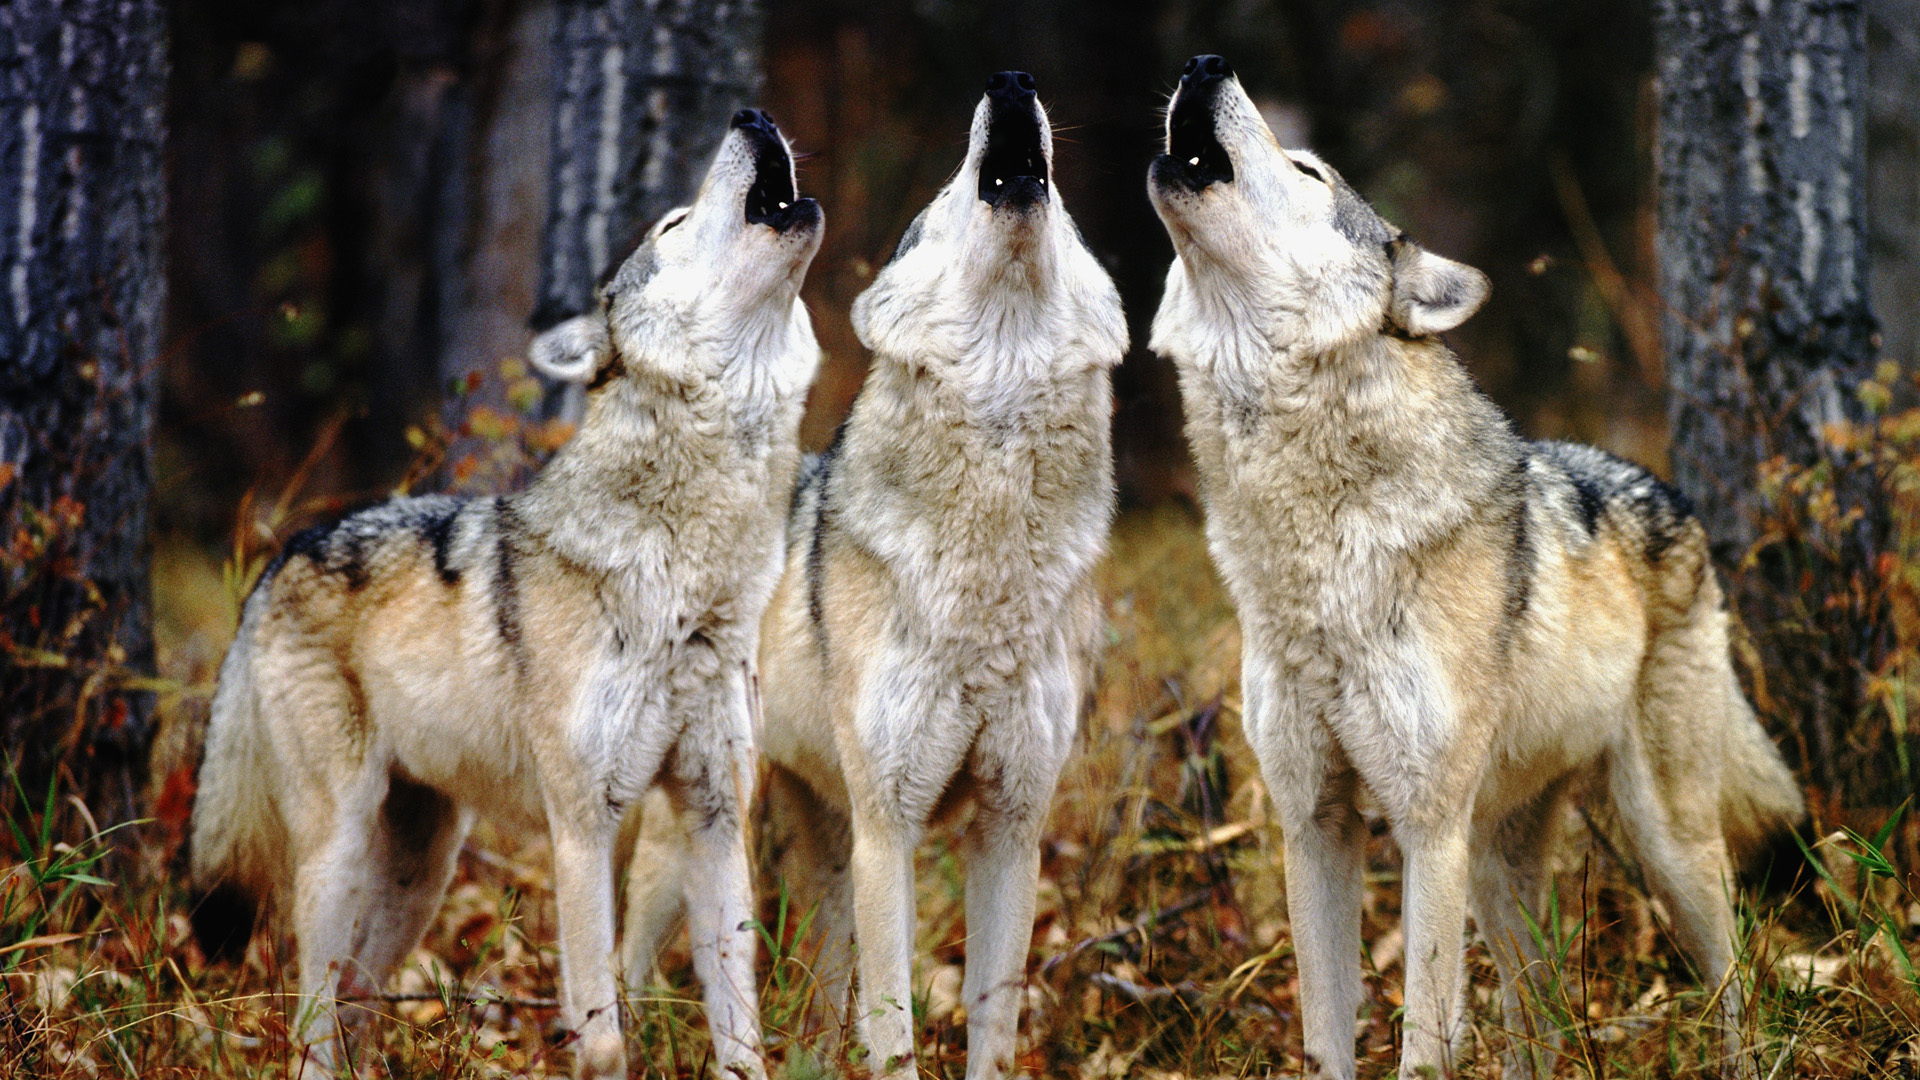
<point x="237" y="835"/>
<point x="1759" y="798"/>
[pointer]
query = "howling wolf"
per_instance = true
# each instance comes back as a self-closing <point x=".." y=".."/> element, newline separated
<point x="927" y="647"/>
<point x="549" y="655"/>
<point x="1471" y="625"/>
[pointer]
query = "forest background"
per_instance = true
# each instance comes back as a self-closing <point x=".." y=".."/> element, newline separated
<point x="330" y="228"/>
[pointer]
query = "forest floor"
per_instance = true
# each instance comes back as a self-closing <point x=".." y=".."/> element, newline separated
<point x="1160" y="947"/>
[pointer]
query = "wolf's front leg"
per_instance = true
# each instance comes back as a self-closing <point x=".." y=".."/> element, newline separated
<point x="1003" y="872"/>
<point x="1314" y="791"/>
<point x="900" y="750"/>
<point x="583" y="893"/>
<point x="883" y="919"/>
<point x="718" y="790"/>
<point x="1017" y="765"/>
<point x="1433" y="912"/>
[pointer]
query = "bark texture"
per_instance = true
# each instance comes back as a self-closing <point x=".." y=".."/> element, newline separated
<point x="1893" y="161"/>
<point x="1763" y="240"/>
<point x="82" y="207"/>
<point x="643" y="90"/>
<point x="1761" y="158"/>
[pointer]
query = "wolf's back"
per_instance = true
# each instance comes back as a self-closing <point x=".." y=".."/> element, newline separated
<point x="237" y="836"/>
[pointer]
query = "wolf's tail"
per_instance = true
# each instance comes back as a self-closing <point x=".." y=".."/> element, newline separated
<point x="1759" y="798"/>
<point x="237" y="834"/>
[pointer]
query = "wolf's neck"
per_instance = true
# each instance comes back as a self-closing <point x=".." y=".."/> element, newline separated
<point x="1014" y="360"/>
<point x="1377" y="413"/>
<point x="1253" y="374"/>
<point x="647" y="450"/>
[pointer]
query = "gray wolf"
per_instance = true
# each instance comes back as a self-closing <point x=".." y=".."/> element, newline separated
<point x="929" y="642"/>
<point x="1471" y="626"/>
<point x="548" y="656"/>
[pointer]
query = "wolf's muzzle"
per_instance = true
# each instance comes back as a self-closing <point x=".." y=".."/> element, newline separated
<point x="771" y="200"/>
<point x="1013" y="172"/>
<point x="1194" y="157"/>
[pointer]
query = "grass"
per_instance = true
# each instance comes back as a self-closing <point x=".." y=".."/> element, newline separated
<point x="1160" y="945"/>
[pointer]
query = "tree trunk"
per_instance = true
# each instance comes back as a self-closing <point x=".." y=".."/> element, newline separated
<point x="1763" y="251"/>
<point x="489" y="252"/>
<point x="1893" y="182"/>
<point x="643" y="90"/>
<point x="82" y="205"/>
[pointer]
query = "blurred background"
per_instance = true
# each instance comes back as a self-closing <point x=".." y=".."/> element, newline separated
<point x="359" y="195"/>
<point x="372" y="207"/>
<point x="369" y="208"/>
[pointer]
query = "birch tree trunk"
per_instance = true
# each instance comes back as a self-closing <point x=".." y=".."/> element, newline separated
<point x="82" y="208"/>
<point x="643" y="90"/>
<point x="1761" y="159"/>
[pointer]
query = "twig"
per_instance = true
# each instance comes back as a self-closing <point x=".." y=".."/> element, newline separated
<point x="462" y="998"/>
<point x="1190" y="995"/>
<point x="1186" y="993"/>
<point x="1628" y="866"/>
<point x="1153" y="921"/>
<point x="522" y="874"/>
<point x="1636" y="323"/>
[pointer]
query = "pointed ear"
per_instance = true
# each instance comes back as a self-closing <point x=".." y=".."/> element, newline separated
<point x="573" y="351"/>
<point x="1432" y="294"/>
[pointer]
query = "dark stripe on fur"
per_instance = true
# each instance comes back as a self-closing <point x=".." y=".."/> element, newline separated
<point x="332" y="548"/>
<point x="506" y="591"/>
<point x="438" y="529"/>
<point x="309" y="543"/>
<point x="1591" y="503"/>
<point x="1664" y="510"/>
<point x="813" y="471"/>
<point x="1520" y="557"/>
<point x="343" y="547"/>
<point x="1618" y="490"/>
<point x="817" y="477"/>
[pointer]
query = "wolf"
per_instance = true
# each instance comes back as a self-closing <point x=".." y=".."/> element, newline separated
<point x="549" y="655"/>
<point x="1472" y="626"/>
<point x="929" y="642"/>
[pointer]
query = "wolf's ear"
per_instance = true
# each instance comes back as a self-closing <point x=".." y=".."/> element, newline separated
<point x="1430" y="293"/>
<point x="573" y="351"/>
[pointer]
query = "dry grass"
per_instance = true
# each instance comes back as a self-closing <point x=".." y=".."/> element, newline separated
<point x="1160" y="948"/>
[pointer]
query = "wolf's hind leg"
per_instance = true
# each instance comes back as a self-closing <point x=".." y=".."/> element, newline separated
<point x="715" y="783"/>
<point x="1511" y="872"/>
<point x="335" y="899"/>
<point x="1665" y="784"/>
<point x="415" y="848"/>
<point x="1684" y="857"/>
<point x="813" y="844"/>
<point x="656" y="900"/>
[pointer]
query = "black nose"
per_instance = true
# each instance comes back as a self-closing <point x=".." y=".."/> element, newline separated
<point x="1205" y="68"/>
<point x="754" y="120"/>
<point x="1011" y="84"/>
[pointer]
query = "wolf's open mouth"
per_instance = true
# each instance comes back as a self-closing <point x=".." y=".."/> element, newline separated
<point x="771" y="200"/>
<point x="1013" y="171"/>
<point x="1193" y="150"/>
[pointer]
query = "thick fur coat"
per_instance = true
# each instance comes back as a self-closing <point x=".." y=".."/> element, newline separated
<point x="1469" y="625"/>
<point x="927" y="647"/>
<point x="548" y="656"/>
